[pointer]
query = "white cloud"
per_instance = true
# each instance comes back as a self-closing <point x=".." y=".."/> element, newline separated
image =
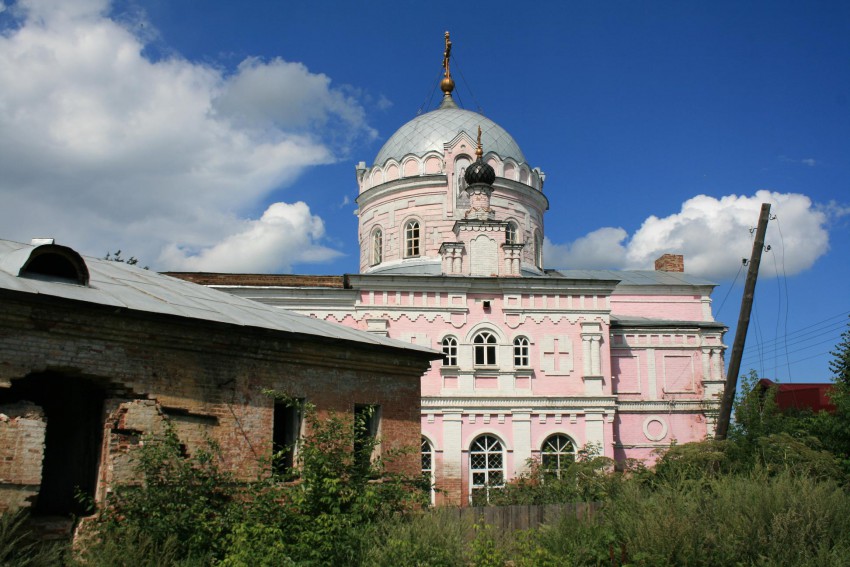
<point x="284" y="235"/>
<point x="103" y="148"/>
<point x="602" y="248"/>
<point x="713" y="235"/>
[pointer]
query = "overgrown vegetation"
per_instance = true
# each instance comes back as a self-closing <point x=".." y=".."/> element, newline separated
<point x="319" y="513"/>
<point x="773" y="493"/>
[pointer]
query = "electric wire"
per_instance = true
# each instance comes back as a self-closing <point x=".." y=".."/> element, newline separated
<point x="466" y="84"/>
<point x="757" y="332"/>
<point x="829" y="340"/>
<point x="815" y="327"/>
<point x="430" y="97"/>
<point x="784" y="279"/>
<point x="731" y="287"/>
<point x="779" y="309"/>
<point x="826" y="331"/>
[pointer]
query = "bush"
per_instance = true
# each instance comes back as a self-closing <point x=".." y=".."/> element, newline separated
<point x="189" y="511"/>
<point x="590" y="478"/>
<point x="183" y="504"/>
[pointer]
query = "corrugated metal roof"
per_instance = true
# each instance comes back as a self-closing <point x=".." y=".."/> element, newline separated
<point x="116" y="284"/>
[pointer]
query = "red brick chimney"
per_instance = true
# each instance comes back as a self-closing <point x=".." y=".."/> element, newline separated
<point x="670" y="263"/>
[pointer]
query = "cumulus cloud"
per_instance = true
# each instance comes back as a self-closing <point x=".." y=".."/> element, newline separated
<point x="284" y="235"/>
<point x="713" y="235"/>
<point x="102" y="147"/>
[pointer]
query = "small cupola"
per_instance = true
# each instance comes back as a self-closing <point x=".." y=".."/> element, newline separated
<point x="479" y="172"/>
<point x="479" y="179"/>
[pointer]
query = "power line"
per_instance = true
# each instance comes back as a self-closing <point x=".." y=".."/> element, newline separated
<point x="760" y="355"/>
<point x="731" y="287"/>
<point x="815" y="328"/>
<point x="787" y="303"/>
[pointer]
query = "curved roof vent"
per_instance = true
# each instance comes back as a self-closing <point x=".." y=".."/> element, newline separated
<point x="51" y="262"/>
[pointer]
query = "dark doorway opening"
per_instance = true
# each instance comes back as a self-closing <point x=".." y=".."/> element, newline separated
<point x="286" y="433"/>
<point x="73" y="408"/>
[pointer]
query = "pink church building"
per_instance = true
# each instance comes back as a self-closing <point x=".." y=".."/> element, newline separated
<point x="536" y="362"/>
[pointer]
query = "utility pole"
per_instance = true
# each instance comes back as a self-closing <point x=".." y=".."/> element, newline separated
<point x="743" y="324"/>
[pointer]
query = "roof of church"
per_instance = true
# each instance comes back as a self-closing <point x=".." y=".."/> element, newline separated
<point x="633" y="277"/>
<point x="432" y="130"/>
<point x="617" y="321"/>
<point x="119" y="285"/>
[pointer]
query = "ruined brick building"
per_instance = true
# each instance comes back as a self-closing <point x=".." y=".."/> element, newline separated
<point x="94" y="354"/>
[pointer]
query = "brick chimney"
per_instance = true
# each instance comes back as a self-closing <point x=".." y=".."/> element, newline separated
<point x="670" y="263"/>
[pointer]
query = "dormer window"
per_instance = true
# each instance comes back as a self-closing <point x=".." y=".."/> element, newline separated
<point x="51" y="262"/>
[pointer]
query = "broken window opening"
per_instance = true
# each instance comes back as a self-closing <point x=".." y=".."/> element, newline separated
<point x="286" y="434"/>
<point x="367" y="425"/>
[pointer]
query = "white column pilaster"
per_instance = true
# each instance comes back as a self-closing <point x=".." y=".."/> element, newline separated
<point x="521" y="425"/>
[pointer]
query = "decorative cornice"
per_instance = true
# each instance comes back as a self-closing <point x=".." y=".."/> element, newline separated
<point x="549" y="404"/>
<point x="418" y="183"/>
<point x="664" y="406"/>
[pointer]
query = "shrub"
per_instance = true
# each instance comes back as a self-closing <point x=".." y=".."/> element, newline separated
<point x="183" y="501"/>
<point x="590" y="478"/>
<point x="188" y="510"/>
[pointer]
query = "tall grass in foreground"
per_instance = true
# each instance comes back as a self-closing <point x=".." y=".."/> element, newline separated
<point x="747" y="519"/>
<point x="739" y="520"/>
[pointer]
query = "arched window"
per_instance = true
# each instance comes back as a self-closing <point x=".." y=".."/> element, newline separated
<point x="460" y="173"/>
<point x="538" y="250"/>
<point x="377" y="246"/>
<point x="449" y="351"/>
<point x="484" y="345"/>
<point x="521" y="352"/>
<point x="411" y="239"/>
<point x="486" y="467"/>
<point x="558" y="453"/>
<point x="428" y="464"/>
<point x="511" y="233"/>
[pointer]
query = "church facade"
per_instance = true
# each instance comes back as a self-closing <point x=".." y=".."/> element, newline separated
<point x="537" y="363"/>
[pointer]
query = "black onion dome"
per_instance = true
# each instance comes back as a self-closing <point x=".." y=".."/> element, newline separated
<point x="480" y="172"/>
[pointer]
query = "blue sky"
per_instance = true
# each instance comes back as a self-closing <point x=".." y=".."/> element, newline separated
<point x="223" y="136"/>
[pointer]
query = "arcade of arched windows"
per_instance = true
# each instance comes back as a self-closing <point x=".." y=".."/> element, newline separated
<point x="432" y="164"/>
<point x="485" y="345"/>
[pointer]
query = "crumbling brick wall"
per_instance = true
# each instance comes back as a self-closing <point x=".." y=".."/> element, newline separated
<point x="206" y="378"/>
<point x="22" y="430"/>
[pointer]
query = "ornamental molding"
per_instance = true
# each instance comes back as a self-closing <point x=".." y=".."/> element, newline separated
<point x="661" y="406"/>
<point x="596" y="404"/>
<point x="437" y="181"/>
<point x="510" y="186"/>
<point x="471" y="284"/>
<point x="515" y="318"/>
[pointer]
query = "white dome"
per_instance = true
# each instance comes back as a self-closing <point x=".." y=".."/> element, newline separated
<point x="430" y="131"/>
